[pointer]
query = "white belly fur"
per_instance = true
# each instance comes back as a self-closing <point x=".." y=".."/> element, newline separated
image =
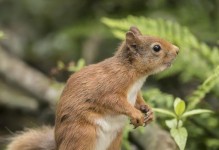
<point x="109" y="126"/>
<point x="108" y="129"/>
<point x="132" y="94"/>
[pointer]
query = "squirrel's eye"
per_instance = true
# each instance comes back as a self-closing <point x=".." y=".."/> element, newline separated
<point x="156" y="48"/>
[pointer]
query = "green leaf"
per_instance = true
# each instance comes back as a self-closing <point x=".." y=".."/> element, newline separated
<point x="196" y="112"/>
<point x="163" y="111"/>
<point x="60" y="65"/>
<point x="173" y="123"/>
<point x="179" y="106"/>
<point x="180" y="136"/>
<point x="80" y="64"/>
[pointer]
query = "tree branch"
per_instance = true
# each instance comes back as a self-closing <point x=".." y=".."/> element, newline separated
<point x="33" y="81"/>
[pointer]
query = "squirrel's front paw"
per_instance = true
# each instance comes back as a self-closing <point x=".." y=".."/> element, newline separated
<point x="137" y="119"/>
<point x="148" y="113"/>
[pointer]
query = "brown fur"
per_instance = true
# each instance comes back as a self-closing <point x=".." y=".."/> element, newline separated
<point x="34" y="139"/>
<point x="100" y="90"/>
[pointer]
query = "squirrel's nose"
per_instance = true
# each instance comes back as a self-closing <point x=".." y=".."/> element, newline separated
<point x="176" y="49"/>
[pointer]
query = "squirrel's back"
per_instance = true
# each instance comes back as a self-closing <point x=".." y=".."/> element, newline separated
<point x="34" y="139"/>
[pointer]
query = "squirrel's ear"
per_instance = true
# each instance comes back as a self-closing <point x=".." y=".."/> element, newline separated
<point x="131" y="39"/>
<point x="135" y="30"/>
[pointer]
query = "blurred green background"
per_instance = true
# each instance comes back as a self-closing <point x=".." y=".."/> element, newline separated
<point x="45" y="41"/>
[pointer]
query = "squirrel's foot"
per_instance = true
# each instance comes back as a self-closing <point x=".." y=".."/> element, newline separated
<point x="137" y="119"/>
<point x="148" y="114"/>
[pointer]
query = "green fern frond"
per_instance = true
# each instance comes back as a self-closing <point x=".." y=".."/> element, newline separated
<point x="203" y="89"/>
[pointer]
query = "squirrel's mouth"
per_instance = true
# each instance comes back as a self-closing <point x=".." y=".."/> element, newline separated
<point x="168" y="64"/>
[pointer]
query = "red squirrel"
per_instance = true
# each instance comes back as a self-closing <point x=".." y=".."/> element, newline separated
<point x="97" y="100"/>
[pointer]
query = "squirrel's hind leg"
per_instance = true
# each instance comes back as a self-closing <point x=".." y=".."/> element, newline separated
<point x="78" y="138"/>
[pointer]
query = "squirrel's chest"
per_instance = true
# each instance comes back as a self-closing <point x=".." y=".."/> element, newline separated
<point x="134" y="89"/>
<point x="111" y="125"/>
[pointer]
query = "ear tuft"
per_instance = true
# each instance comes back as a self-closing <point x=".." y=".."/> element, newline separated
<point x="130" y="37"/>
<point x="135" y="30"/>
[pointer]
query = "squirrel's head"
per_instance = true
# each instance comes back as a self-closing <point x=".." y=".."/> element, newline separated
<point x="147" y="53"/>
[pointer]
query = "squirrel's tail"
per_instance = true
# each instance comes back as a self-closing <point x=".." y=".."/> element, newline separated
<point x="34" y="139"/>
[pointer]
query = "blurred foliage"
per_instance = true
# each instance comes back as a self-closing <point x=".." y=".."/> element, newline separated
<point x="71" y="67"/>
<point x="57" y="29"/>
<point x="1" y="34"/>
<point x="203" y="89"/>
